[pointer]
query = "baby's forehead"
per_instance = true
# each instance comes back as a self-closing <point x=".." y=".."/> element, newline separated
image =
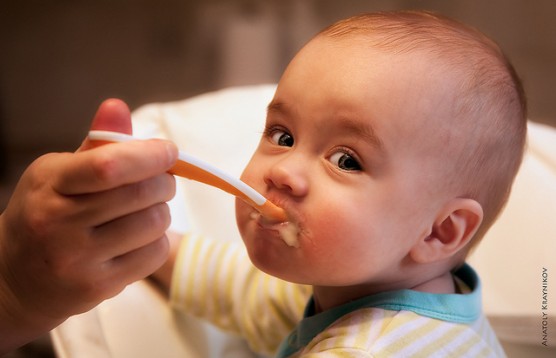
<point x="428" y="88"/>
<point x="444" y="79"/>
<point x="423" y="62"/>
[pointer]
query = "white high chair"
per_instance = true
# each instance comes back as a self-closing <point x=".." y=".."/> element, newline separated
<point x="223" y="128"/>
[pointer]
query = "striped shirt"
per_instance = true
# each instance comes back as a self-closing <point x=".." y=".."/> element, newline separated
<point x="215" y="280"/>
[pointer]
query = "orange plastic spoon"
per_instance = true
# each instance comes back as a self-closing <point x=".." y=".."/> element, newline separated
<point x="193" y="168"/>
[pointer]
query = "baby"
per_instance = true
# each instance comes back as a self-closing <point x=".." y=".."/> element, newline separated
<point x="392" y="143"/>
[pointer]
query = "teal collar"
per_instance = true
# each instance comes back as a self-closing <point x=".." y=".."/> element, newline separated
<point x="457" y="308"/>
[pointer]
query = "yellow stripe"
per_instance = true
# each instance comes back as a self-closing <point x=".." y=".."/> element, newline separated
<point x="224" y="308"/>
<point x="367" y="336"/>
<point x="397" y="320"/>
<point x="218" y="310"/>
<point x="337" y="337"/>
<point x="176" y="285"/>
<point x="229" y="284"/>
<point x="193" y="259"/>
<point x="466" y="346"/>
<point x="485" y="352"/>
<point x="249" y="299"/>
<point x="453" y="331"/>
<point x="403" y="342"/>
<point x="207" y="282"/>
<point x="276" y="306"/>
<point x="182" y="282"/>
<point x="223" y="289"/>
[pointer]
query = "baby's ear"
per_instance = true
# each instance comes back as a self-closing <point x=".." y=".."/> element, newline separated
<point x="454" y="227"/>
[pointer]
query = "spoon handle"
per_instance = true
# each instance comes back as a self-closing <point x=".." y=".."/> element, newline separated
<point x="192" y="168"/>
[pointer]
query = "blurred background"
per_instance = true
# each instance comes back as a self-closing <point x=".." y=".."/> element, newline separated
<point x="59" y="59"/>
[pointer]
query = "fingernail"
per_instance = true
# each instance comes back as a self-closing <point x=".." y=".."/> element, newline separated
<point x="172" y="152"/>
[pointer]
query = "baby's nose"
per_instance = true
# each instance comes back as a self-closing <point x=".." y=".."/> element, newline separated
<point x="288" y="178"/>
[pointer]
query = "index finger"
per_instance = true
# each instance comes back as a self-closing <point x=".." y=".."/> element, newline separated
<point x="111" y="166"/>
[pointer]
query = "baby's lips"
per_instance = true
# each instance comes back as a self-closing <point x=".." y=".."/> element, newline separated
<point x="288" y="230"/>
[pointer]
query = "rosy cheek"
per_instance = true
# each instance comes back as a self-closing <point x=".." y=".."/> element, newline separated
<point x="333" y="221"/>
<point x="326" y="233"/>
<point x="337" y="231"/>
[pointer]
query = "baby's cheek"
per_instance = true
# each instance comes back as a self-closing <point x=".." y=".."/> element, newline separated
<point x="336" y="243"/>
<point x="335" y="226"/>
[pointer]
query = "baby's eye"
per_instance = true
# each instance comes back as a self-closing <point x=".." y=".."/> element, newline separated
<point x="345" y="161"/>
<point x="282" y="138"/>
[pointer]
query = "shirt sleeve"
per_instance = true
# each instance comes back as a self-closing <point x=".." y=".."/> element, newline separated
<point x="216" y="281"/>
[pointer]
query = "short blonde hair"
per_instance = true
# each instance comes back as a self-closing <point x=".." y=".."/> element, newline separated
<point x="490" y="107"/>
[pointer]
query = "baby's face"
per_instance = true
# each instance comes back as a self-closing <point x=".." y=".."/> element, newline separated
<point x="347" y="152"/>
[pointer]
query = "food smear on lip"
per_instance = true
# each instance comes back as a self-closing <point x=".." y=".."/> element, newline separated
<point x="287" y="230"/>
<point x="289" y="233"/>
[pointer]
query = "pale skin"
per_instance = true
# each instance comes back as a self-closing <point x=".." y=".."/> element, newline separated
<point x="349" y="152"/>
<point x="80" y="227"/>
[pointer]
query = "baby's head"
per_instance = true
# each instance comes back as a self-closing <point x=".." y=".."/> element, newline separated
<point x="480" y="136"/>
<point x="392" y="139"/>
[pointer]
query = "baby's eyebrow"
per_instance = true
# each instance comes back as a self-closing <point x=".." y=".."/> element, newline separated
<point x="275" y="107"/>
<point x="361" y="129"/>
<point x="346" y="125"/>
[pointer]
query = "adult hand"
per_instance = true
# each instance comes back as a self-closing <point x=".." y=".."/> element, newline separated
<point x="80" y="227"/>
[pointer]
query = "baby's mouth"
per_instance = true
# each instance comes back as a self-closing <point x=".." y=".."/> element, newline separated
<point x="288" y="230"/>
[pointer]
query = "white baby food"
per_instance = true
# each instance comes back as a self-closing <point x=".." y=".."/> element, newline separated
<point x="287" y="230"/>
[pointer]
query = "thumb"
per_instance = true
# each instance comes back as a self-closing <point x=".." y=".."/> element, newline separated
<point x="112" y="115"/>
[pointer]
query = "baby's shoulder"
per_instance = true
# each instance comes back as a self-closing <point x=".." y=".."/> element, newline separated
<point x="377" y="332"/>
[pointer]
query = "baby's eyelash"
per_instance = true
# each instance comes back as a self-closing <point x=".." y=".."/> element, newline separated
<point x="267" y="131"/>
<point x="279" y="136"/>
<point x="271" y="129"/>
<point x="346" y="159"/>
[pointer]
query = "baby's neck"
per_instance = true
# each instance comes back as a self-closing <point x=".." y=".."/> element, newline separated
<point x="329" y="297"/>
<point x="441" y="284"/>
